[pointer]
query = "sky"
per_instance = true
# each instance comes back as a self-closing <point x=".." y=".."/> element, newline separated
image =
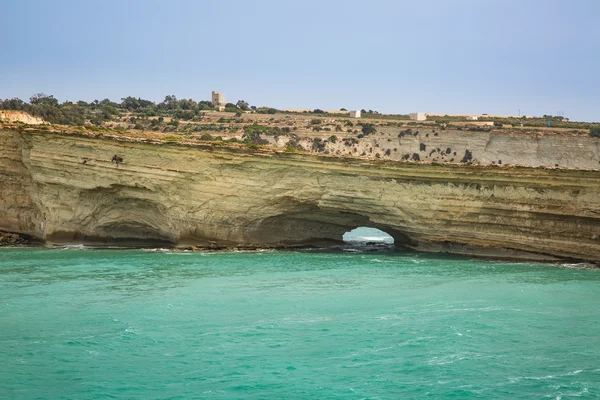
<point x="438" y="56"/>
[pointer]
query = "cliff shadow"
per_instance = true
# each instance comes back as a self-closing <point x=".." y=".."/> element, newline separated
<point x="114" y="215"/>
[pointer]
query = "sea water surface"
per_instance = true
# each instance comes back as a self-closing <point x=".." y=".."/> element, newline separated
<point x="135" y="324"/>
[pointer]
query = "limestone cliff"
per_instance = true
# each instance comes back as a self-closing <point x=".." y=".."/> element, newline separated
<point x="64" y="189"/>
<point x="500" y="147"/>
<point x="20" y="116"/>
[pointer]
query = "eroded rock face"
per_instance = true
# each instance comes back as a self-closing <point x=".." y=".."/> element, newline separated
<point x="64" y="189"/>
<point x="453" y="146"/>
<point x="11" y="239"/>
<point x="20" y="116"/>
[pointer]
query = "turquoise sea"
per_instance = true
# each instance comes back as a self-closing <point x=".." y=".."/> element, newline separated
<point x="135" y="324"/>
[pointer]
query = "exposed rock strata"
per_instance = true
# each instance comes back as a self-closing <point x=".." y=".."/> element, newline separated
<point x="486" y="148"/>
<point x="64" y="189"/>
<point x="20" y="116"/>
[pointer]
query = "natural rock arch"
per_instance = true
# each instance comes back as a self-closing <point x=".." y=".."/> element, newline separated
<point x="312" y="225"/>
<point x="368" y="235"/>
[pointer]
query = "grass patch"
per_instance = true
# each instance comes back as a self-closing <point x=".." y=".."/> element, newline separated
<point x="171" y="139"/>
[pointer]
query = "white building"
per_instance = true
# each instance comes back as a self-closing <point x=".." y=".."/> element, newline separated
<point x="218" y="100"/>
<point x="354" y="114"/>
<point x="418" y="116"/>
<point x="472" y="117"/>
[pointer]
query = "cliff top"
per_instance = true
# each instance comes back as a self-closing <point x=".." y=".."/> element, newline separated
<point x="381" y="142"/>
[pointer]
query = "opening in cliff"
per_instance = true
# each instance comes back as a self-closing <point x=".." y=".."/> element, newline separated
<point x="314" y="226"/>
<point x="368" y="236"/>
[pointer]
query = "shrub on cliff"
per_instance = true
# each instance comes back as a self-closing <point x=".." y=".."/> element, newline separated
<point x="97" y="120"/>
<point x="318" y="145"/>
<point x="293" y="145"/>
<point x="595" y="131"/>
<point x="253" y="146"/>
<point x="252" y="135"/>
<point x="468" y="157"/>
<point x="368" y="129"/>
<point x="257" y="128"/>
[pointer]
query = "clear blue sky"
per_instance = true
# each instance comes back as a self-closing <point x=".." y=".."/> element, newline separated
<point x="453" y="56"/>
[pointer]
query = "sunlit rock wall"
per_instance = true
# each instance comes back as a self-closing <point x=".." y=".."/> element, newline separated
<point x="65" y="189"/>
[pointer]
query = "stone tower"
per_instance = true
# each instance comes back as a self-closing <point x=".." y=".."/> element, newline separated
<point x="218" y="100"/>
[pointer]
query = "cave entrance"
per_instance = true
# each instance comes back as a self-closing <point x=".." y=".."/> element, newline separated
<point x="368" y="236"/>
<point x="314" y="226"/>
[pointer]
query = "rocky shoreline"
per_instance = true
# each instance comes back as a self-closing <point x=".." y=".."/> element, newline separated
<point x="14" y="239"/>
<point x="10" y="239"/>
<point x="215" y="247"/>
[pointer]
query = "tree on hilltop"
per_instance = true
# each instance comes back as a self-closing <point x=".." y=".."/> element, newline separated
<point x="243" y="105"/>
<point x="43" y="100"/>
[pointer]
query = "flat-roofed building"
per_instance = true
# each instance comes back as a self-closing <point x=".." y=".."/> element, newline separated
<point x="418" y="116"/>
<point x="354" y="114"/>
